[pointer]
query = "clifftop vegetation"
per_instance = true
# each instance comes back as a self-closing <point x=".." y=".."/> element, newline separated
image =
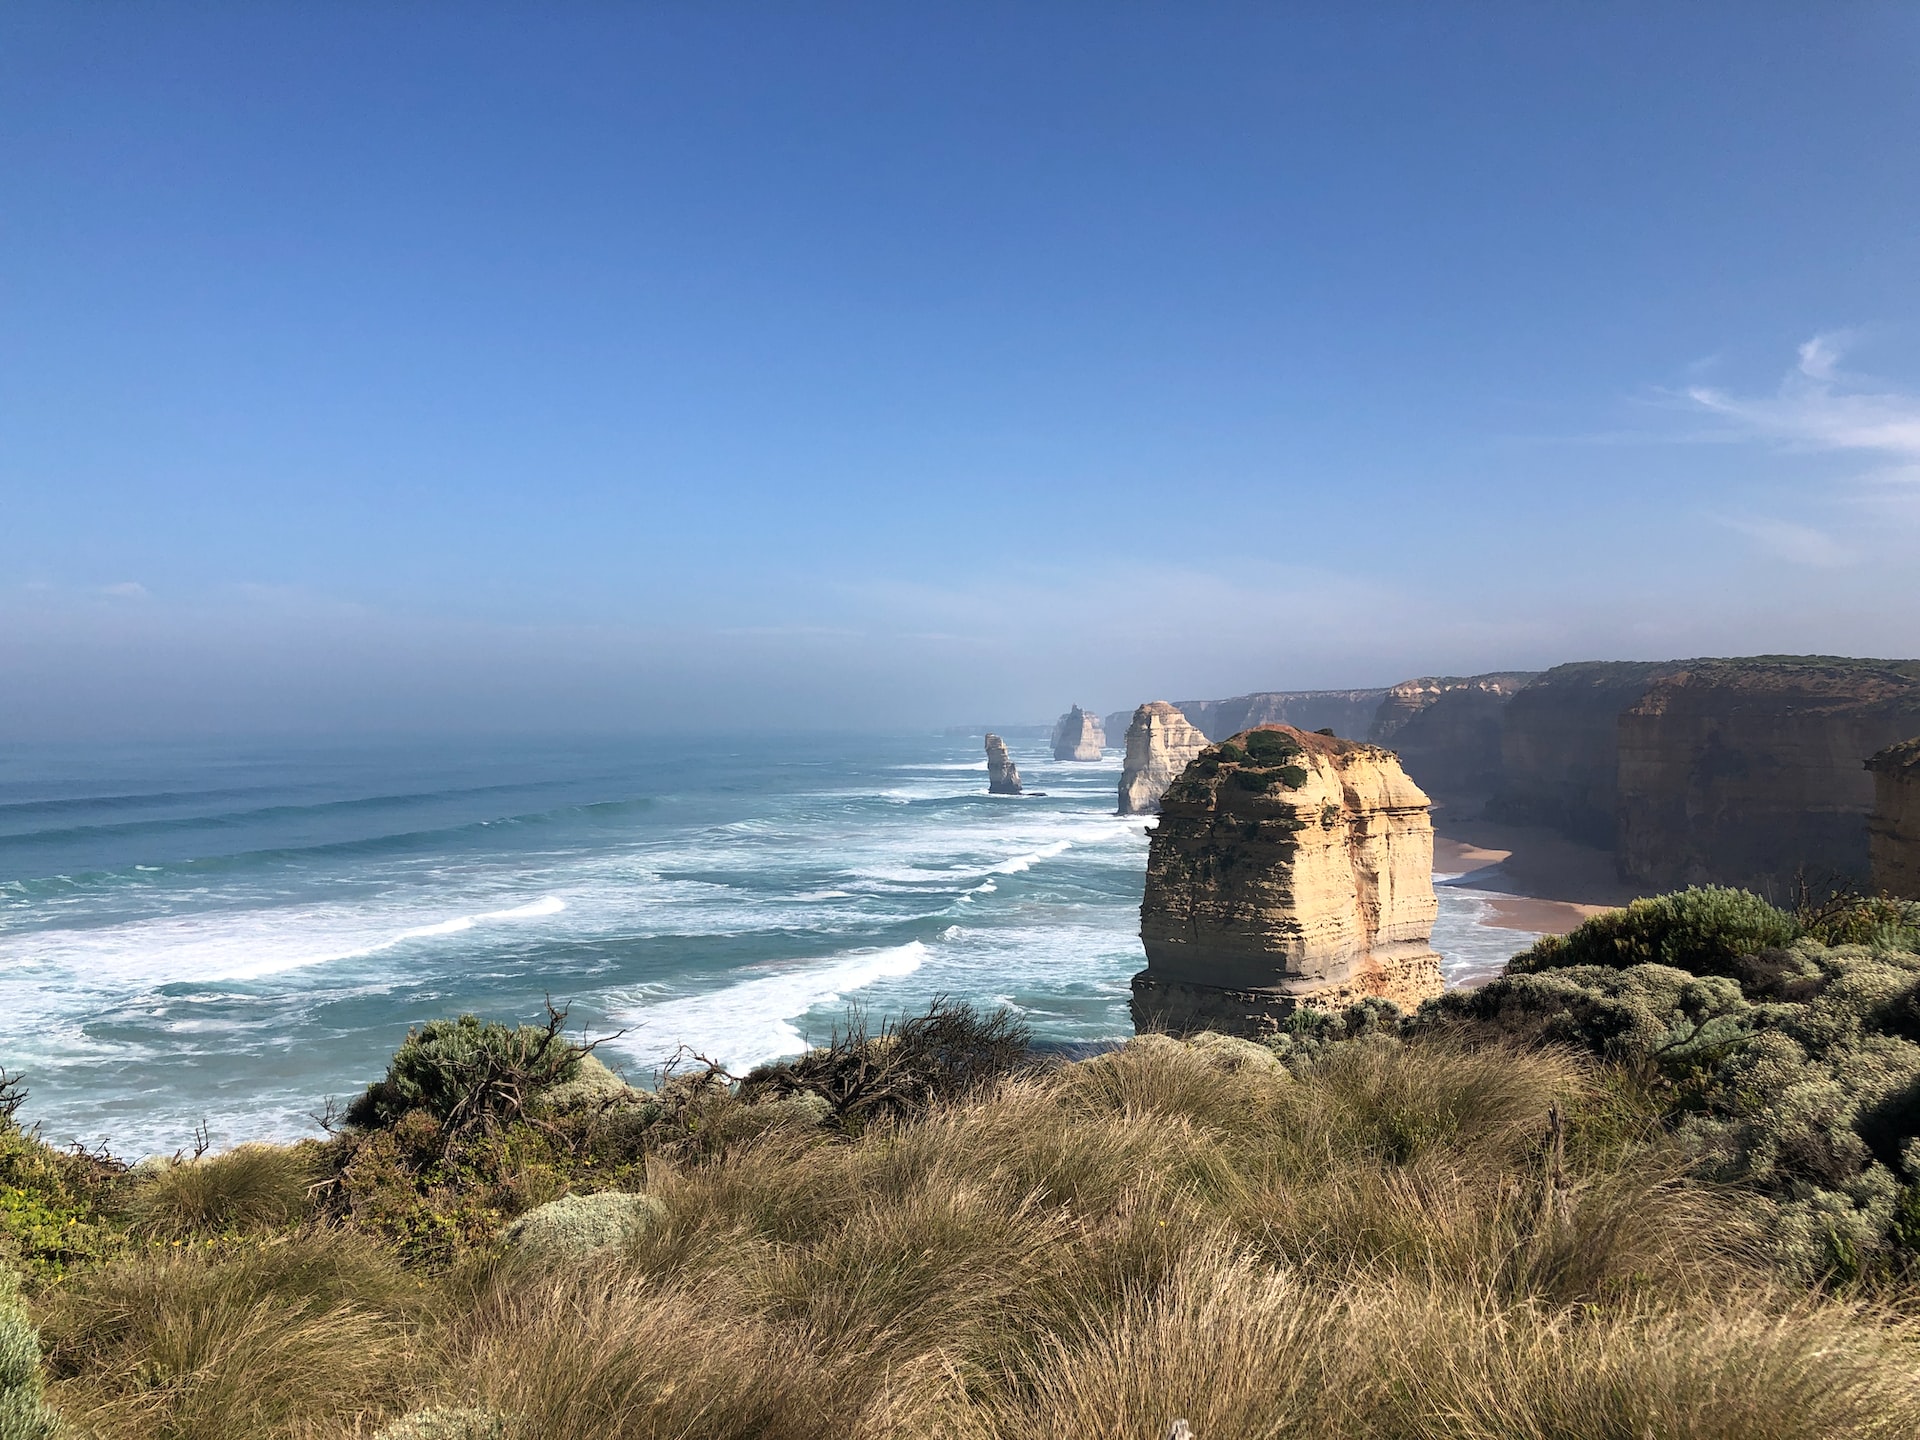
<point x="1657" y="1180"/>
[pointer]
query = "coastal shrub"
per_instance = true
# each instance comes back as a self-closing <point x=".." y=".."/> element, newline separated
<point x="24" y="1414"/>
<point x="248" y="1189"/>
<point x="949" y="1051"/>
<point x="1789" y="1068"/>
<point x="54" y="1205"/>
<point x="576" y="1225"/>
<point x="1879" y="921"/>
<point x="466" y="1072"/>
<point x="442" y="1423"/>
<point x="1704" y="931"/>
<point x="1270" y="747"/>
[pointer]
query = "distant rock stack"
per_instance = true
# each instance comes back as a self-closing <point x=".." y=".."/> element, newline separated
<point x="1893" y="831"/>
<point x="1287" y="869"/>
<point x="1003" y="776"/>
<point x="1160" y="744"/>
<point x="1078" y="736"/>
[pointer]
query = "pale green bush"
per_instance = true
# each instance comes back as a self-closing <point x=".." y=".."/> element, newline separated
<point x="440" y="1423"/>
<point x="24" y="1414"/>
<point x="576" y="1225"/>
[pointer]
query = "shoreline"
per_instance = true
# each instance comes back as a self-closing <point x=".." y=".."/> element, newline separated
<point x="1534" y="881"/>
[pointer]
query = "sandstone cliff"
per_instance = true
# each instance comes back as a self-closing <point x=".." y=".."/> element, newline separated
<point x="1446" y="729"/>
<point x="1753" y="773"/>
<point x="1560" y="747"/>
<point x="1893" y="830"/>
<point x="1288" y="868"/>
<point x="1003" y="776"/>
<point x="1078" y="736"/>
<point x="1160" y="744"/>
<point x="1347" y="713"/>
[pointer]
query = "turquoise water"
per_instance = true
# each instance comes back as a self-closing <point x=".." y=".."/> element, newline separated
<point x="233" y="934"/>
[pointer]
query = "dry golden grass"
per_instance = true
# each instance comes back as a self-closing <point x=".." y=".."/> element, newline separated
<point x="1390" y="1244"/>
<point x="249" y="1188"/>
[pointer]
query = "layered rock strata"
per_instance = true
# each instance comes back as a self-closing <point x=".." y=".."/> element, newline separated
<point x="1078" y="736"/>
<point x="1348" y="713"/>
<point x="1893" y="829"/>
<point x="1003" y="776"/>
<point x="1160" y="744"/>
<point x="1753" y="772"/>
<point x="1287" y="869"/>
<point x="1446" y="729"/>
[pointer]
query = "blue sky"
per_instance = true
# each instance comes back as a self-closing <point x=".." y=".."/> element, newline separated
<point x="525" y="366"/>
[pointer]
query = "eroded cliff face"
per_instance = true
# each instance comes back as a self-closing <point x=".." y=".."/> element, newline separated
<point x="1078" y="736"/>
<point x="1287" y="868"/>
<point x="1447" y="729"/>
<point x="1893" y="829"/>
<point x="1560" y="747"/>
<point x="1348" y="713"/>
<point x="1003" y="776"/>
<point x="1160" y="744"/>
<point x="1753" y="773"/>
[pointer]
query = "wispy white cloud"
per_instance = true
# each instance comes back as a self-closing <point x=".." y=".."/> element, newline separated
<point x="1791" y="541"/>
<point x="1820" y="407"/>
<point x="125" y="590"/>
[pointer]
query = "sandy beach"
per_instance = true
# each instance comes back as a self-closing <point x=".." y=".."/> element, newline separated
<point x="1535" y="880"/>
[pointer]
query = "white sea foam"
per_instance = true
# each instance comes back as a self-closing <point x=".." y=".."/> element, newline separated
<point x="752" y="1020"/>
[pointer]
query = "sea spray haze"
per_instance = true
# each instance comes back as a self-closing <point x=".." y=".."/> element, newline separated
<point x="233" y="934"/>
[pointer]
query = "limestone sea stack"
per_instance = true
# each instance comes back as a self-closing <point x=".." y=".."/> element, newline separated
<point x="1078" y="736"/>
<point x="1287" y="869"/>
<point x="1003" y="776"/>
<point x="1893" y="830"/>
<point x="1160" y="744"/>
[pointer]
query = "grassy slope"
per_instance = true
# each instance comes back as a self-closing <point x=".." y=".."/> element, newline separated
<point x="1388" y="1240"/>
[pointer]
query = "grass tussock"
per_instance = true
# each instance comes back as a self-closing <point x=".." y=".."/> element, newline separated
<point x="273" y="1338"/>
<point x="246" y="1190"/>
<point x="1379" y="1238"/>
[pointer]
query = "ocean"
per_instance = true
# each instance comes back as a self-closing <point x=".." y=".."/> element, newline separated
<point x="231" y="934"/>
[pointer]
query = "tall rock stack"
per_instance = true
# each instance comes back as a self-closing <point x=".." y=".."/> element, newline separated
<point x="1003" y="776"/>
<point x="1287" y="869"/>
<point x="1893" y="830"/>
<point x="1078" y="736"/>
<point x="1160" y="744"/>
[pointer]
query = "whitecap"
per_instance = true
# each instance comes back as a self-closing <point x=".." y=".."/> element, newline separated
<point x="752" y="1020"/>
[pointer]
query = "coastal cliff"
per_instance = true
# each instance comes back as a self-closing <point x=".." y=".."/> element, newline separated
<point x="1003" y="776"/>
<point x="1447" y="729"/>
<point x="1348" y="713"/>
<point x="1288" y="868"/>
<point x="1560" y="747"/>
<point x="1078" y="736"/>
<point x="1893" y="830"/>
<point x="1160" y="744"/>
<point x="1752" y="773"/>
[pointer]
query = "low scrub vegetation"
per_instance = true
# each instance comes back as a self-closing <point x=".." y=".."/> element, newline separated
<point x="1651" y="1182"/>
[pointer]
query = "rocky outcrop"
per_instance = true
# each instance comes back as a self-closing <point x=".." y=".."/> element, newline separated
<point x="1348" y="713"/>
<point x="1003" y="776"/>
<point x="1117" y="723"/>
<point x="1160" y="744"/>
<point x="1078" y="736"/>
<point x="1893" y="829"/>
<point x="1560" y="747"/>
<point x="1446" y="729"/>
<point x="1288" y="869"/>
<point x="1753" y="772"/>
